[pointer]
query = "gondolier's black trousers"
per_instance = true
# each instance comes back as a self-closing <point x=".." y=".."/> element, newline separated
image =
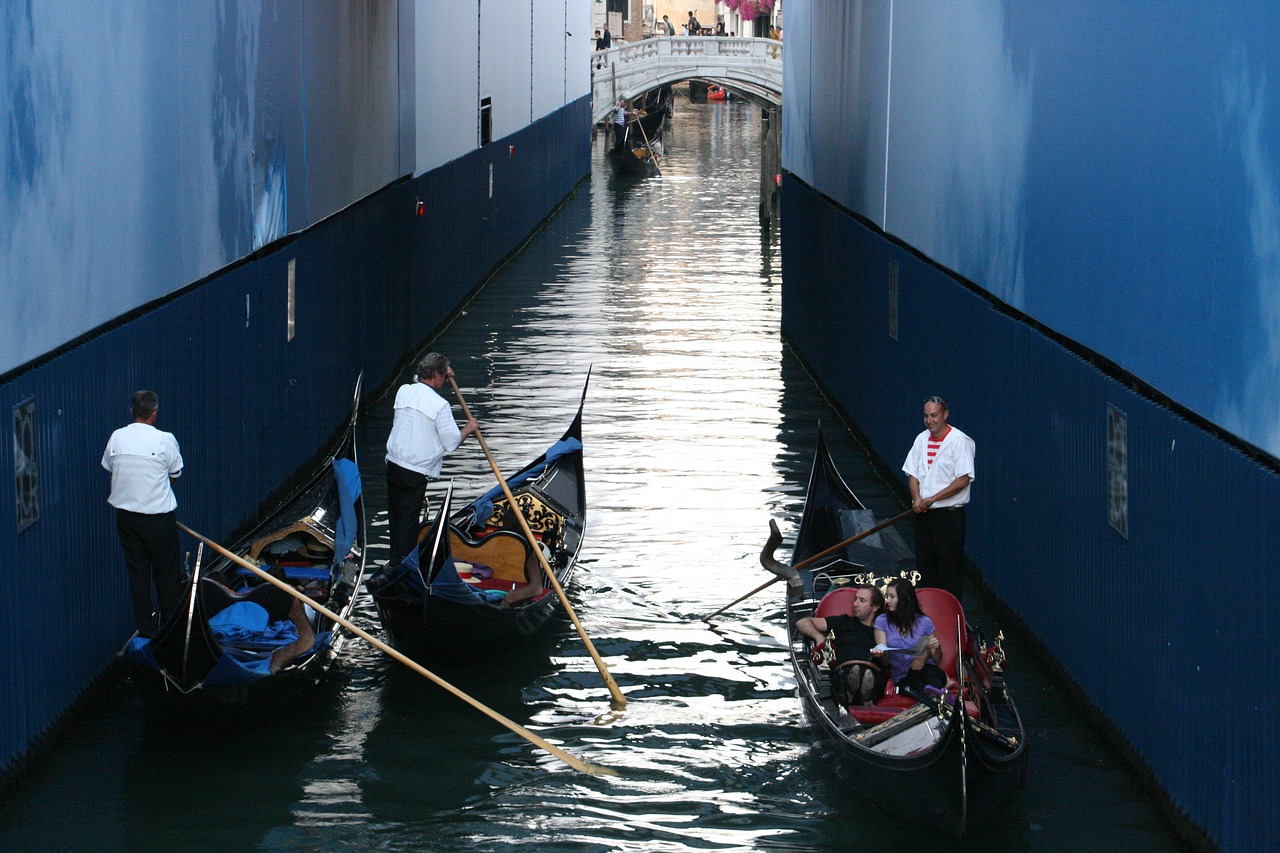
<point x="619" y="136"/>
<point x="152" y="554"/>
<point x="940" y="549"/>
<point x="405" y="491"/>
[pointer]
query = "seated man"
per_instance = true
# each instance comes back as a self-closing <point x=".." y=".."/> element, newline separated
<point x="855" y="679"/>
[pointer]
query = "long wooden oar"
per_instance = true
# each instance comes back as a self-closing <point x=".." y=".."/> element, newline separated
<point x="618" y="701"/>
<point x="575" y="763"/>
<point x="811" y="560"/>
<point x="649" y="146"/>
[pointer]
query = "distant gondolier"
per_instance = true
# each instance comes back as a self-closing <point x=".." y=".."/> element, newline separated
<point x="620" y="124"/>
<point x="422" y="432"/>
<point x="939" y="470"/>
<point x="143" y="462"/>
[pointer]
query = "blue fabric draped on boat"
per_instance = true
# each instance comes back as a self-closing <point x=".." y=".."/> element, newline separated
<point x="246" y="621"/>
<point x="348" y="476"/>
<point x="242" y="622"/>
<point x="483" y="505"/>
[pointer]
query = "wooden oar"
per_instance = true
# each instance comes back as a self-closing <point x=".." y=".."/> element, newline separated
<point x="649" y="146"/>
<point x="618" y="702"/>
<point x="775" y="538"/>
<point x="575" y="763"/>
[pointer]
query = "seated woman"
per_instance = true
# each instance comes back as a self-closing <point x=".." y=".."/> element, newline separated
<point x="913" y="649"/>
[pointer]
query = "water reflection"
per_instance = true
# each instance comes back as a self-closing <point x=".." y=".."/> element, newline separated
<point x="698" y="428"/>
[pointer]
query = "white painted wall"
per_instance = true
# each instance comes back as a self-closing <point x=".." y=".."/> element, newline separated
<point x="528" y="56"/>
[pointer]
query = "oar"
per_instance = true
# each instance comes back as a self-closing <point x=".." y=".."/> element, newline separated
<point x="648" y="146"/>
<point x="619" y="702"/>
<point x="780" y="571"/>
<point x="575" y="763"/>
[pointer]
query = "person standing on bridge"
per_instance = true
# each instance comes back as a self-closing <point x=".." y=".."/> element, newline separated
<point x="422" y="432"/>
<point x="692" y="27"/>
<point x="668" y="28"/>
<point x="939" y="470"/>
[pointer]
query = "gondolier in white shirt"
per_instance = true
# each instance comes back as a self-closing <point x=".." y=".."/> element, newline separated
<point x="422" y="432"/>
<point x="143" y="462"/>
<point x="939" y="471"/>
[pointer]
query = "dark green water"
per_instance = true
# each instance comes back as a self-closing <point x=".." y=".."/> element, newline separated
<point x="699" y="428"/>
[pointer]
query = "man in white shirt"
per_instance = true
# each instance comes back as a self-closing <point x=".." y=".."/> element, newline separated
<point x="939" y="469"/>
<point x="143" y="462"/>
<point x="422" y="432"/>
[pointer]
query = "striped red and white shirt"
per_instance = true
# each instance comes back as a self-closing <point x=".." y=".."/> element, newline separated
<point x="936" y="463"/>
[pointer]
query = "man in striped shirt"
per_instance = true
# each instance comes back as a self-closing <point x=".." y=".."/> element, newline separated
<point x="939" y="469"/>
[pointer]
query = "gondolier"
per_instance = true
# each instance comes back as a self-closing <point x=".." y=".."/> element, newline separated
<point x="619" y="124"/>
<point x="939" y="471"/>
<point x="143" y="462"/>
<point x="422" y="432"/>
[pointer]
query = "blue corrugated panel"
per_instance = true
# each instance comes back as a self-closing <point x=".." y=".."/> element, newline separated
<point x="248" y="406"/>
<point x="1169" y="630"/>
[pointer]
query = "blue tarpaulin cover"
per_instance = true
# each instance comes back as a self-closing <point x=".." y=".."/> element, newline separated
<point x="243" y="622"/>
<point x="348" y="476"/>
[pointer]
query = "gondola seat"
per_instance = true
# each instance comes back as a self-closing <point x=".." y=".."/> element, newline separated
<point x="838" y="602"/>
<point x="504" y="552"/>
<point x="943" y="609"/>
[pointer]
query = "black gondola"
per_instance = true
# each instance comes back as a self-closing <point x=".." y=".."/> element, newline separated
<point x="927" y="762"/>
<point x="639" y="154"/>
<point x="454" y="586"/>
<point x="236" y="637"/>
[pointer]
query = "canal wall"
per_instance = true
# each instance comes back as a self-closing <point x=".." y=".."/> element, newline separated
<point x="273" y="211"/>
<point x="1060" y="217"/>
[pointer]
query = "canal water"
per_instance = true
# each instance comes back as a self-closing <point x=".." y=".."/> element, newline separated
<point x="699" y="428"/>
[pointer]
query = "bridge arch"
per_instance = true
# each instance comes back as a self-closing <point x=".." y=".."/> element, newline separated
<point x="751" y="67"/>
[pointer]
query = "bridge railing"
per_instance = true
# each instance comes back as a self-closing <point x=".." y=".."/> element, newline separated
<point x="701" y="46"/>
<point x="750" y="66"/>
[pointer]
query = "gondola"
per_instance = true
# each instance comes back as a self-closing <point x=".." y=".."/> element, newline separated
<point x="455" y="585"/>
<point x="639" y="154"/>
<point x="944" y="763"/>
<point x="236" y="638"/>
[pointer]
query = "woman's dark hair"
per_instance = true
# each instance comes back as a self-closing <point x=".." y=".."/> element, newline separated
<point x="904" y="616"/>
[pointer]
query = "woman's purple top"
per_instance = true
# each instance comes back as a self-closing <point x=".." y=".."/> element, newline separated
<point x="899" y="662"/>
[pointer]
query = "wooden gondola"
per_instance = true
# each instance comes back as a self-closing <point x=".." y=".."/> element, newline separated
<point x="236" y="637"/>
<point x="945" y="763"/>
<point x="639" y="154"/>
<point x="456" y="585"/>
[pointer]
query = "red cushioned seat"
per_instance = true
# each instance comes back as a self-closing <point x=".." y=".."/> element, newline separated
<point x="838" y="602"/>
<point x="871" y="715"/>
<point x="942" y="607"/>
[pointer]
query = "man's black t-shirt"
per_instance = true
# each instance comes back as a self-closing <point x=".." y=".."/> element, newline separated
<point x="853" y="639"/>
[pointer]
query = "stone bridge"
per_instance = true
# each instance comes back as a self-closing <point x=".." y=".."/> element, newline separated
<point x="751" y="67"/>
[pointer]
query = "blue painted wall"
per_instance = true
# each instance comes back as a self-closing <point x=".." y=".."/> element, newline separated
<point x="1167" y="631"/>
<point x="1081" y="202"/>
<point x="1112" y="169"/>
<point x="249" y="407"/>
